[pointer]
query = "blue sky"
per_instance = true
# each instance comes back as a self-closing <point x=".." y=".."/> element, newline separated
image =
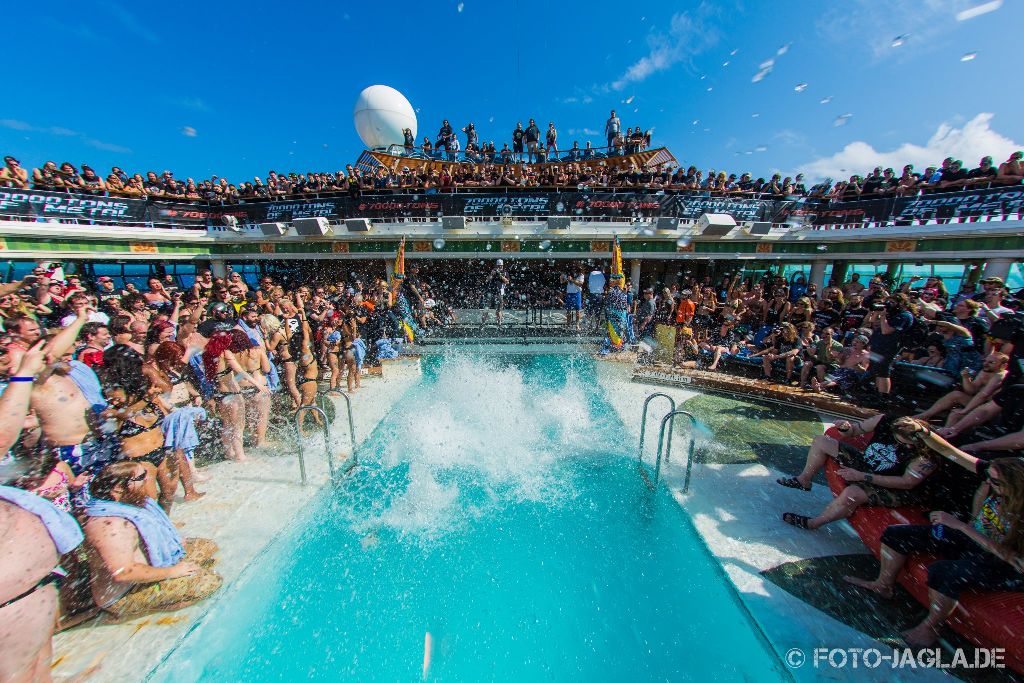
<point x="272" y="85"/>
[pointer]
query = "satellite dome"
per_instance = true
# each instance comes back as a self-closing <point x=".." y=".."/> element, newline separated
<point x="380" y="114"/>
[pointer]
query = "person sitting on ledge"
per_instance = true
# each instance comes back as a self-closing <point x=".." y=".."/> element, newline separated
<point x="973" y="392"/>
<point x="138" y="562"/>
<point x="986" y="553"/>
<point x="888" y="473"/>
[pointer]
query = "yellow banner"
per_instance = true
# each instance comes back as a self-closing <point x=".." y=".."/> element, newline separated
<point x="143" y="248"/>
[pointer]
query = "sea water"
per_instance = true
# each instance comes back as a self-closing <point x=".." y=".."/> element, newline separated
<point x="496" y="529"/>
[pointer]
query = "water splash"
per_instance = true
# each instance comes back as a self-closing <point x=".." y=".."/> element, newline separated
<point x="970" y="56"/>
<point x="800" y="87"/>
<point x="842" y="120"/>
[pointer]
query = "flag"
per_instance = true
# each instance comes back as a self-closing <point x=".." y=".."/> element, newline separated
<point x="618" y="278"/>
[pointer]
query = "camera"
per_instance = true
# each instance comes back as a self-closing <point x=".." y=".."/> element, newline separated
<point x="878" y="307"/>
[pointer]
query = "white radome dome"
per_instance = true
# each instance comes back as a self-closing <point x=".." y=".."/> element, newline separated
<point x="380" y="115"/>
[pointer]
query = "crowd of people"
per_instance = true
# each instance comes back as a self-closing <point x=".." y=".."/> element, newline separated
<point x="533" y="161"/>
<point x="109" y="397"/>
<point x="954" y="448"/>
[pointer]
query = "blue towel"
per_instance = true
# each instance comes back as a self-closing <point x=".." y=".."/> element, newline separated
<point x="256" y="335"/>
<point x="89" y="384"/>
<point x="205" y="386"/>
<point x="163" y="544"/>
<point x="359" y="347"/>
<point x="386" y="350"/>
<point x="180" y="428"/>
<point x="62" y="527"/>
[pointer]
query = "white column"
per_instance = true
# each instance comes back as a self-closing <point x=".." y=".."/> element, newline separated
<point x="997" y="267"/>
<point x="634" y="274"/>
<point x="817" y="276"/>
<point x="218" y="268"/>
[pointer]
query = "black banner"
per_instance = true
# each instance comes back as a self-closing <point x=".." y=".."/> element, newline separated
<point x="526" y="202"/>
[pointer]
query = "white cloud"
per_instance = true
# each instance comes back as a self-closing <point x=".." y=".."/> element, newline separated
<point x="190" y="132"/>
<point x="689" y="34"/>
<point x="969" y="143"/>
<point x="60" y="131"/>
<point x="130" y="22"/>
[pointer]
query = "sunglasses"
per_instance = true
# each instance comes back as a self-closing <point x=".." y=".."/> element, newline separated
<point x="997" y="483"/>
<point x="138" y="477"/>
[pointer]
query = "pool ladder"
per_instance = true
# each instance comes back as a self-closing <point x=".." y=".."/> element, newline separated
<point x="663" y="446"/>
<point x="322" y="414"/>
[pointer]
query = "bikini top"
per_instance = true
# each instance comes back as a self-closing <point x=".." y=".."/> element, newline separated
<point x="129" y="428"/>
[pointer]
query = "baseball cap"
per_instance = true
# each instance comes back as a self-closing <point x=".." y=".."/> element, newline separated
<point x="218" y="307"/>
<point x="104" y="278"/>
<point x="499" y="262"/>
<point x="992" y="281"/>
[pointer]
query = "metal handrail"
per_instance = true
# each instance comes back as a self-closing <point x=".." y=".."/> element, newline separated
<point x="665" y="422"/>
<point x="327" y="439"/>
<point x="643" y="421"/>
<point x="351" y="422"/>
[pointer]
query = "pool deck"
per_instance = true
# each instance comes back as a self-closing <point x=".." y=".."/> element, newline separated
<point x="736" y="508"/>
<point x="246" y="507"/>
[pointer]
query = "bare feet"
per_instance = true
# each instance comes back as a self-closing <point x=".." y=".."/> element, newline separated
<point x="201" y="478"/>
<point x="874" y="586"/>
<point x="194" y="495"/>
<point x="921" y="635"/>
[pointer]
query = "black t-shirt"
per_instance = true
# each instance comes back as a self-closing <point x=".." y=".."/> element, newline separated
<point x="871" y="184"/>
<point x="979" y="172"/>
<point x="517" y="135"/>
<point x="954" y="175"/>
<point x="884" y="453"/>
<point x="854" y="317"/>
<point x="825" y="318"/>
<point x="532" y="134"/>
<point x="977" y="327"/>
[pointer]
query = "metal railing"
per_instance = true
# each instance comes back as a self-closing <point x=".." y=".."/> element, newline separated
<point x="643" y="421"/>
<point x="298" y="439"/>
<point x="351" y="422"/>
<point x="668" y="422"/>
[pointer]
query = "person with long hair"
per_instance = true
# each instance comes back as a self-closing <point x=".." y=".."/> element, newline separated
<point x="253" y="358"/>
<point x="183" y="390"/>
<point x="139" y="417"/>
<point x="223" y="370"/>
<point x="986" y="553"/>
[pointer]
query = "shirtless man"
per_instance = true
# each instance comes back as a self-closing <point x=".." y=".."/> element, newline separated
<point x="852" y="361"/>
<point x="1011" y="171"/>
<point x="29" y="552"/>
<point x="130" y="576"/>
<point x="973" y="392"/>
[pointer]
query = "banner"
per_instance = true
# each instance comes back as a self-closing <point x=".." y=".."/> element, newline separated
<point x="511" y="202"/>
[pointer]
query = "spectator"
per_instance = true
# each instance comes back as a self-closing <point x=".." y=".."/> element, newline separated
<point x="13" y="175"/>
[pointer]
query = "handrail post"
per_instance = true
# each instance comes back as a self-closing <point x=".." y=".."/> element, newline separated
<point x="327" y="439"/>
<point x="669" y="421"/>
<point x="351" y="421"/>
<point x="643" y="421"/>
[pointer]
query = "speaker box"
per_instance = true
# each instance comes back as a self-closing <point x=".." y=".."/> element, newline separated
<point x="357" y="224"/>
<point x="273" y="229"/>
<point x="715" y="224"/>
<point x="312" y="227"/>
<point x="558" y="222"/>
<point x="453" y="222"/>
<point x="668" y="223"/>
<point x="760" y="228"/>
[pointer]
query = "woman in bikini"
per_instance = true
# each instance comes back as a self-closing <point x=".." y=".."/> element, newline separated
<point x="224" y="371"/>
<point x="349" y="334"/>
<point x="139" y="429"/>
<point x="181" y="390"/>
<point x="253" y="359"/>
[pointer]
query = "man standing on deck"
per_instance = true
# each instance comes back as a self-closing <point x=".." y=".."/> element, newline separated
<point x="494" y="292"/>
<point x="532" y="138"/>
<point x="517" y="142"/>
<point x="612" y="127"/>
<point x="595" y="297"/>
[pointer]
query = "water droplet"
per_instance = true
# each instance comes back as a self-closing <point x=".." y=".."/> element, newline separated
<point x="822" y="247"/>
<point x="734" y="52"/>
<point x="825" y="100"/>
<point x="325" y="145"/>
<point x="759" y="76"/>
<point x="899" y="40"/>
<point x="683" y="242"/>
<point x="842" y="120"/>
<point x="188" y="131"/>
<point x="459" y="7"/>
<point x="629" y="100"/>
<point x="725" y="63"/>
<point x="749" y="152"/>
<point x="710" y="89"/>
<point x="755" y="115"/>
<point x="635" y="110"/>
<point x="488" y="247"/>
<point x="782" y="50"/>
<point x="761" y="148"/>
<point x="646" y="232"/>
<point x="545" y="244"/>
<point x="703" y="76"/>
<point x="439" y="243"/>
<point x="978" y="10"/>
<point x="696" y="121"/>
<point x="767" y="64"/>
<point x="800" y="87"/>
<point x="969" y="57"/>
<point x="707" y="130"/>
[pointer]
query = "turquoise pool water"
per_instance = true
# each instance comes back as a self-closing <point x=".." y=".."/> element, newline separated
<point x="497" y="529"/>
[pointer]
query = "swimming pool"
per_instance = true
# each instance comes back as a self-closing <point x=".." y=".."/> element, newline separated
<point x="496" y="529"/>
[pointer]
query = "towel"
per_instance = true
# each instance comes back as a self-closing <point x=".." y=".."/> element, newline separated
<point x="256" y="335"/>
<point x="180" y="428"/>
<point x="163" y="544"/>
<point x="62" y="527"/>
<point x="359" y="346"/>
<point x="88" y="383"/>
<point x="205" y="386"/>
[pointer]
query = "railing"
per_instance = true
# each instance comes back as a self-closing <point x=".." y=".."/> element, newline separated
<point x="327" y="439"/>
<point x="669" y="422"/>
<point x="643" y="421"/>
<point x="565" y="155"/>
<point x="1000" y="203"/>
<point x="351" y="422"/>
